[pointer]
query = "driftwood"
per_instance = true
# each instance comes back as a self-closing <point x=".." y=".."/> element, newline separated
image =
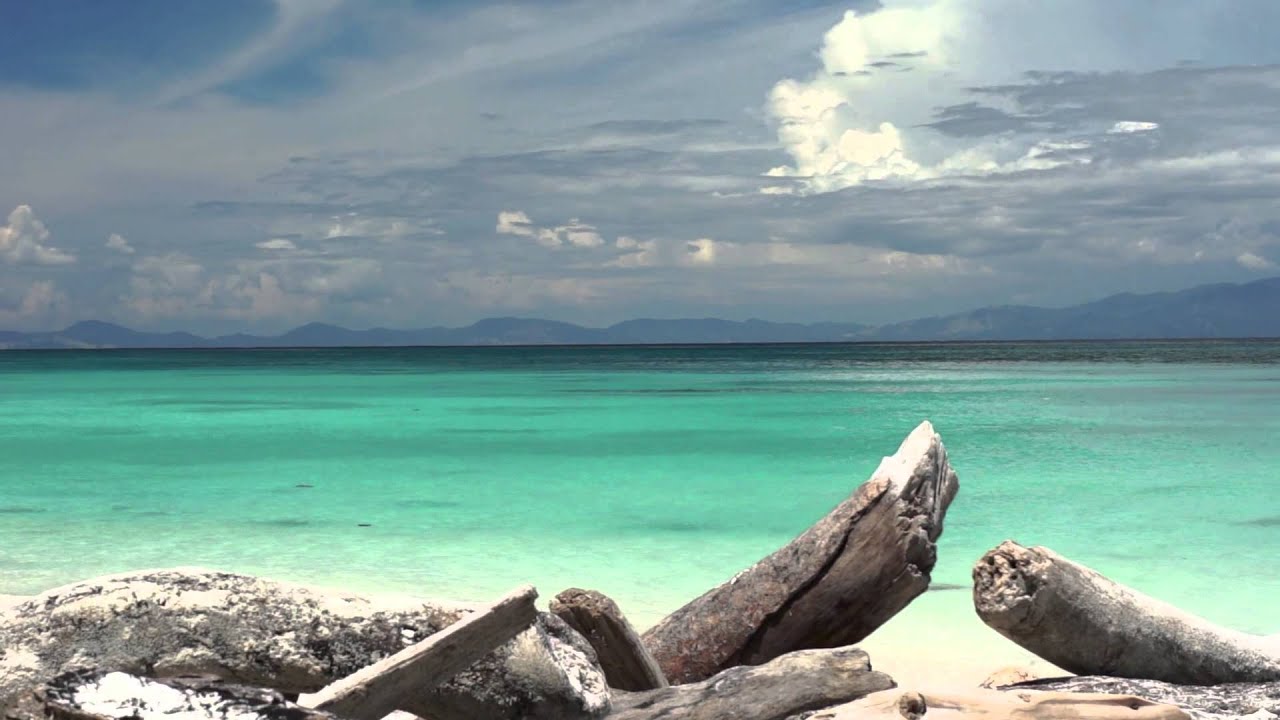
<point x="1026" y="705"/>
<point x="1089" y="625"/>
<point x="626" y="662"/>
<point x="831" y="586"/>
<point x="794" y="683"/>
<point x="103" y="696"/>
<point x="380" y="688"/>
<point x="1203" y="702"/>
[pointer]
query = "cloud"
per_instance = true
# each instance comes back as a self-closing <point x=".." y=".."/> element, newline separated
<point x="1254" y="262"/>
<point x="1133" y="126"/>
<point x="276" y="244"/>
<point x="574" y="233"/>
<point x="22" y="241"/>
<point x="41" y="304"/>
<point x="117" y="242"/>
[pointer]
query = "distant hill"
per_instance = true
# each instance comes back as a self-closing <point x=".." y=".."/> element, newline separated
<point x="1207" y="311"/>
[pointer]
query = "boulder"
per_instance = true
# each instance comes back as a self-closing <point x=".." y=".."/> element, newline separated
<point x="282" y="636"/>
<point x="116" y="695"/>
<point x="1203" y="702"/>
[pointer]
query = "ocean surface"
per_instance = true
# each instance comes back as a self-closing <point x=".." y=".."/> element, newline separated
<point x="650" y="473"/>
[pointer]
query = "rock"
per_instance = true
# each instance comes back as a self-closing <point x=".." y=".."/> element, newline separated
<point x="1204" y="702"/>
<point x="94" y="696"/>
<point x="831" y="586"/>
<point x="789" y="685"/>
<point x="277" y="635"/>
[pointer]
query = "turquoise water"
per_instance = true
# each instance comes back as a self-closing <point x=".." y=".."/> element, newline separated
<point x="649" y="473"/>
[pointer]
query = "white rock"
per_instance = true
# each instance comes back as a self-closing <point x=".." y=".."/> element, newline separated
<point x="288" y="637"/>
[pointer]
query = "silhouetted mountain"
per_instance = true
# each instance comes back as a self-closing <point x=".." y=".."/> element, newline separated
<point x="1207" y="311"/>
<point x="711" y="330"/>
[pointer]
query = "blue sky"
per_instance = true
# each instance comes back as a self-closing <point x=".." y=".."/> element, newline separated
<point x="257" y="164"/>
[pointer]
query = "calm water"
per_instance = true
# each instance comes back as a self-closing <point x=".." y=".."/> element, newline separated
<point x="649" y="473"/>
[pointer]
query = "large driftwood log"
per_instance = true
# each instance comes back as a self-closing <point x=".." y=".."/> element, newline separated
<point x="1089" y="625"/>
<point x="791" y="684"/>
<point x="831" y="586"/>
<point x="383" y="687"/>
<point x="911" y="705"/>
<point x="626" y="662"/>
<point x="1202" y="702"/>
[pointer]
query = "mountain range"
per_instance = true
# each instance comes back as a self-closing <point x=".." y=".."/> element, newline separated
<point x="1249" y="310"/>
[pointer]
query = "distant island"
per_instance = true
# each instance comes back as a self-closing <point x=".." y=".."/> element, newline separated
<point x="1250" y="310"/>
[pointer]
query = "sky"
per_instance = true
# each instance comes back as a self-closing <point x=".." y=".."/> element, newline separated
<point x="258" y="164"/>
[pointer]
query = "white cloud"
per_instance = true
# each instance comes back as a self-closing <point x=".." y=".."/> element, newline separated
<point x="574" y="233"/>
<point x="22" y="241"/>
<point x="354" y="225"/>
<point x="702" y="251"/>
<point x="1132" y="126"/>
<point x="117" y="242"/>
<point x="276" y="244"/>
<point x="1254" y="262"/>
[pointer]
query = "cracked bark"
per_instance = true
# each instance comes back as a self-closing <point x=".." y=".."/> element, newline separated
<point x="831" y="586"/>
<point x="1089" y="625"/>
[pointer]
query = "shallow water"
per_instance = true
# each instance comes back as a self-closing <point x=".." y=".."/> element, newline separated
<point x="649" y="473"/>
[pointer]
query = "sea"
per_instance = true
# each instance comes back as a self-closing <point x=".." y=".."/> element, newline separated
<point x="650" y="473"/>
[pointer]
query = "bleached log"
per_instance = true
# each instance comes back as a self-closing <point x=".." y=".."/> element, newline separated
<point x="831" y="586"/>
<point x="626" y="662"/>
<point x="380" y="688"/>
<point x="1087" y="624"/>
<point x="791" y="684"/>
<point x="924" y="705"/>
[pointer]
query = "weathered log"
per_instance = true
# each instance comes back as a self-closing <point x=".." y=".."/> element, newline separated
<point x="626" y="662"/>
<point x="102" y="696"/>
<point x="1089" y="625"/>
<point x="791" y="684"/>
<point x="383" y="687"/>
<point x="1202" y="702"/>
<point x="912" y="705"/>
<point x="831" y="586"/>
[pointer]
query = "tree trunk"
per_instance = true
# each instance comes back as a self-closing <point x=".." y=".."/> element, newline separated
<point x="1084" y="623"/>
<point x="626" y="662"/>
<point x="911" y="705"/>
<point x="791" y="684"/>
<point x="831" y="586"/>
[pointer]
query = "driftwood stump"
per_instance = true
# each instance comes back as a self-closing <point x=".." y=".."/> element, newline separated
<point x="831" y="586"/>
<point x="626" y="663"/>
<point x="1089" y="625"/>
<point x="792" y="684"/>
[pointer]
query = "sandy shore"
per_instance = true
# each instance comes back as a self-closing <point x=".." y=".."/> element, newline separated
<point x="930" y="644"/>
<point x="11" y="600"/>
